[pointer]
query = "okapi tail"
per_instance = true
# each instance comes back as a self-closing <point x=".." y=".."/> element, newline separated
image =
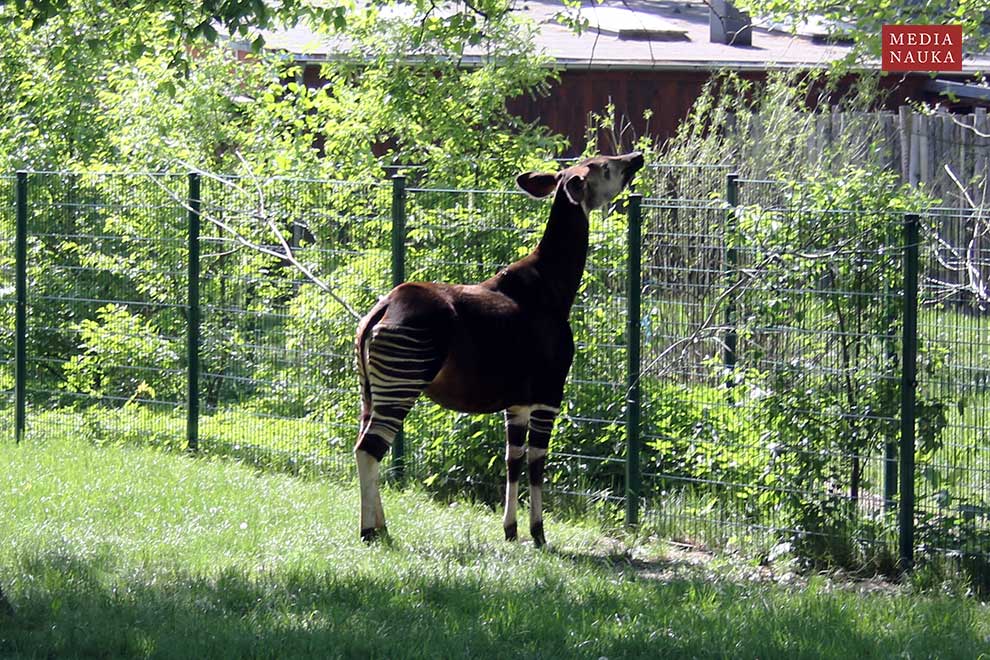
<point x="364" y="329"/>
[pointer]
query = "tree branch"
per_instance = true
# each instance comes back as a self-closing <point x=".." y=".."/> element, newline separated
<point x="969" y="127"/>
<point x="965" y="261"/>
<point x="260" y="214"/>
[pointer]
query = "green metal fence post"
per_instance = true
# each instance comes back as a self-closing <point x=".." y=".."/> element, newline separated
<point x="633" y="331"/>
<point x="20" y="308"/>
<point x="731" y="260"/>
<point x="398" y="229"/>
<point x="398" y="277"/>
<point x="193" y="320"/>
<point x="909" y="384"/>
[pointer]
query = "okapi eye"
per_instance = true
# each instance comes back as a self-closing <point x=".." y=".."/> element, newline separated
<point x="608" y="172"/>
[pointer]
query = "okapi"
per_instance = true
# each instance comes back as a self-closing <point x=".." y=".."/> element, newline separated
<point x="503" y="344"/>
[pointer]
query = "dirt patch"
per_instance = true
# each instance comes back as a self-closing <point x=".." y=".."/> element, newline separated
<point x="670" y="561"/>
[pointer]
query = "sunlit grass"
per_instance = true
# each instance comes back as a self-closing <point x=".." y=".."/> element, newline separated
<point x="131" y="552"/>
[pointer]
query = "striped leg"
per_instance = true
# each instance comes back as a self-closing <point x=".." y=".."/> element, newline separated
<point x="540" y="426"/>
<point x="516" y="423"/>
<point x="397" y="364"/>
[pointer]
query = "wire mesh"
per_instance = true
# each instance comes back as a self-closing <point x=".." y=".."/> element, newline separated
<point x="833" y="343"/>
<point x="106" y="281"/>
<point x="278" y="380"/>
<point x="770" y="373"/>
<point x="683" y="262"/>
<point x="953" y="458"/>
<point x="7" y="223"/>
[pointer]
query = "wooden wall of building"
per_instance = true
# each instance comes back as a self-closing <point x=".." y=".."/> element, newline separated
<point x="669" y="94"/>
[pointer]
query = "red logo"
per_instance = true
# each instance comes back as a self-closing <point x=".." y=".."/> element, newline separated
<point x="922" y="47"/>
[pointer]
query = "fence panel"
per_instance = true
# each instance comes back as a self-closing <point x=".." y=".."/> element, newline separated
<point x="7" y="221"/>
<point x="682" y="383"/>
<point x="683" y="265"/>
<point x="790" y="442"/>
<point x="822" y="328"/>
<point x="277" y="380"/>
<point x="106" y="317"/>
<point x="953" y="450"/>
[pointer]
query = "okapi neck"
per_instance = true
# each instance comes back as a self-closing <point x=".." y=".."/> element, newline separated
<point x="563" y="250"/>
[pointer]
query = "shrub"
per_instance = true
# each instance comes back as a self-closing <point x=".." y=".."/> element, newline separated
<point x="123" y="356"/>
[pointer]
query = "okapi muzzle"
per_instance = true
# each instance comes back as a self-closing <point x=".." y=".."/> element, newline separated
<point x="504" y="344"/>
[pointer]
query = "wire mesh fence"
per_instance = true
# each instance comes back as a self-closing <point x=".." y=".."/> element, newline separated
<point x="772" y="336"/>
<point x="7" y="302"/>
<point x="277" y="378"/>
<point x="105" y="305"/>
<point x="953" y="452"/>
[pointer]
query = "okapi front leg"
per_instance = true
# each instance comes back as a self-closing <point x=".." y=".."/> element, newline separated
<point x="540" y="426"/>
<point x="516" y="423"/>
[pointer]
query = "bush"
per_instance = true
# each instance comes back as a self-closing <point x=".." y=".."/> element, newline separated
<point x="123" y="357"/>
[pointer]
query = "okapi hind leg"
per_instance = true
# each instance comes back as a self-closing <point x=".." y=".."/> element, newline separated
<point x="398" y="363"/>
<point x="372" y="516"/>
<point x="516" y="424"/>
<point x="541" y="421"/>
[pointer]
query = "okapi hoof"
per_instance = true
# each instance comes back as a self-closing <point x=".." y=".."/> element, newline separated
<point x="511" y="532"/>
<point x="372" y="534"/>
<point x="536" y="531"/>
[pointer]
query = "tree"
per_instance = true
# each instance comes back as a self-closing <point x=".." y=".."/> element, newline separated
<point x="862" y="19"/>
<point x="119" y="101"/>
<point x="128" y="92"/>
<point x="184" y="21"/>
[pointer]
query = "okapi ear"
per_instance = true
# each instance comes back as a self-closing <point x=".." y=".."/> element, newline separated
<point x="576" y="189"/>
<point x="537" y="184"/>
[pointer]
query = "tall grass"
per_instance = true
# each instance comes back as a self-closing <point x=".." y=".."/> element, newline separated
<point x="130" y="552"/>
<point x="775" y="129"/>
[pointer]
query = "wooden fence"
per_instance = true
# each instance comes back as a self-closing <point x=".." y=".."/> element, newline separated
<point x="919" y="146"/>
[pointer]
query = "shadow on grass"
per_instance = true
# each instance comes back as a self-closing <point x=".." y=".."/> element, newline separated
<point x="69" y="606"/>
<point x="620" y="561"/>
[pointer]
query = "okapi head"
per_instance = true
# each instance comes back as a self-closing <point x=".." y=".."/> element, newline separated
<point x="590" y="184"/>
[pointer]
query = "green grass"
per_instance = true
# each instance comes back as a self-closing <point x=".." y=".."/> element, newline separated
<point x="130" y="552"/>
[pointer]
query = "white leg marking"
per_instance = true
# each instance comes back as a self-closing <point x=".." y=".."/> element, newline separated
<point x="517" y="415"/>
<point x="511" y="487"/>
<point x="511" y="503"/>
<point x="516" y="427"/>
<point x="368" y="470"/>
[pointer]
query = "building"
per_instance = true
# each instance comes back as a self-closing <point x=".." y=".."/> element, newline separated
<point x="644" y="55"/>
